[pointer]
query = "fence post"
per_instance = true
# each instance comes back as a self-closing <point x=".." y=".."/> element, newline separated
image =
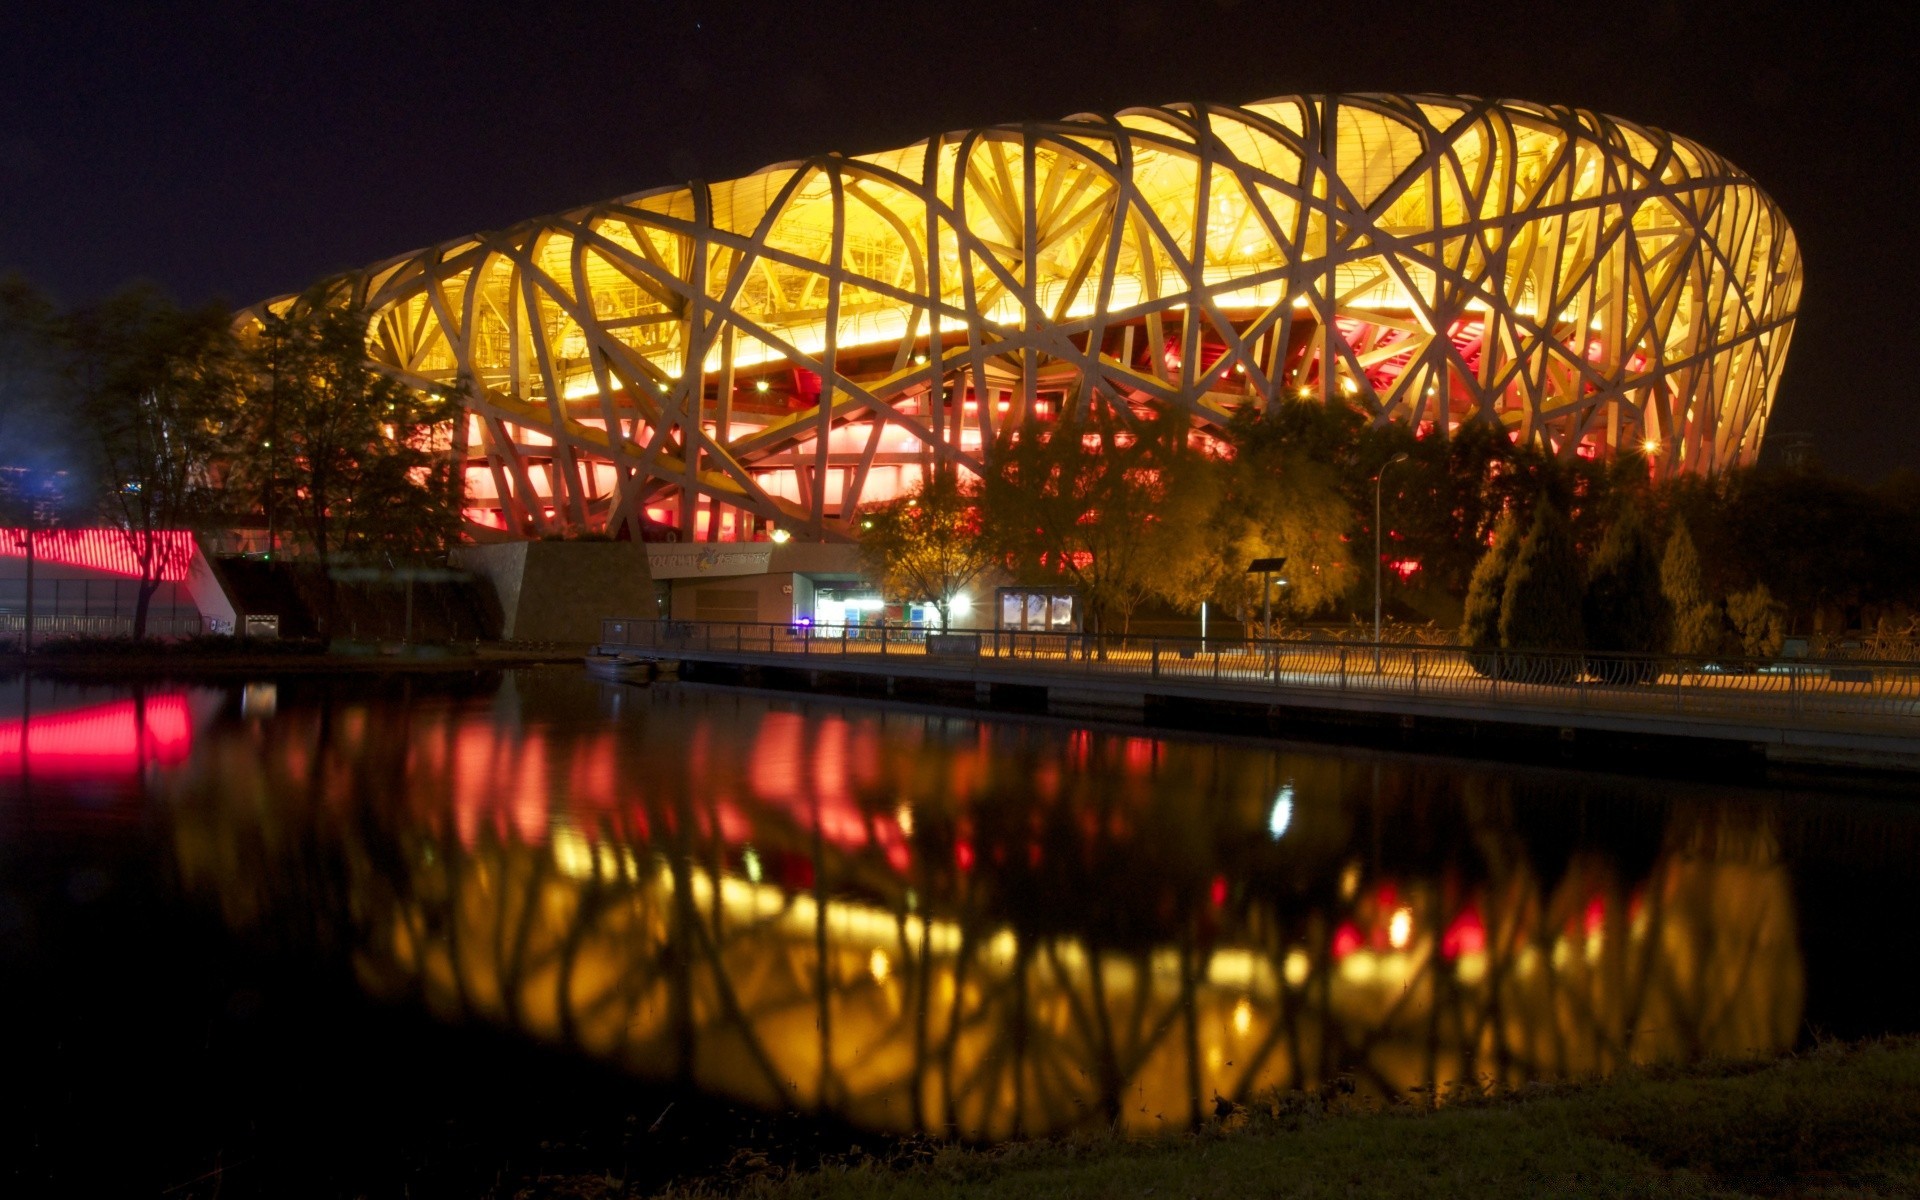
<point x="1343" y="668"/>
<point x="883" y="639"/>
<point x="770" y="648"/>
<point x="1156" y="658"/>
<point x="1416" y="672"/>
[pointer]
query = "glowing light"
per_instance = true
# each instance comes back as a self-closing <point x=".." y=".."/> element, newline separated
<point x="104" y="739"/>
<point x="879" y="965"/>
<point x="1299" y="301"/>
<point x="759" y="385"/>
<point x="1282" y="815"/>
<point x="903" y="817"/>
<point x="1346" y="940"/>
<point x="1295" y="967"/>
<point x="1400" y="928"/>
<point x="780" y="537"/>
<point x="962" y="603"/>
<point x="750" y="863"/>
<point x="1651" y="446"/>
<point x="1467" y="935"/>
<point x="107" y="550"/>
<point x="1349" y="881"/>
<point x="1242" y="1016"/>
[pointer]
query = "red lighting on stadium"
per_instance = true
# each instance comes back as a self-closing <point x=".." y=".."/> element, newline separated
<point x="107" y="550"/>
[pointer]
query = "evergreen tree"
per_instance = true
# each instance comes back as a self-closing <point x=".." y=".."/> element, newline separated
<point x="1481" y="628"/>
<point x="1626" y="612"/>
<point x="1541" y="609"/>
<point x="1696" y="618"/>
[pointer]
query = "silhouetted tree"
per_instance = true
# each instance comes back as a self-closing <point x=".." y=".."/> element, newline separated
<point x="356" y="461"/>
<point x="1696" y="618"/>
<point x="1480" y="627"/>
<point x="1094" y="504"/>
<point x="1541" y="610"/>
<point x="1626" y="612"/>
<point x="158" y="391"/>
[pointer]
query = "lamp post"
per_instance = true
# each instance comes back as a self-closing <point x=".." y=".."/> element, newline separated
<point x="1377" y="480"/>
<point x="1266" y="569"/>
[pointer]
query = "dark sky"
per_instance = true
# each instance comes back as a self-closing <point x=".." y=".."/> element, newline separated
<point x="243" y="150"/>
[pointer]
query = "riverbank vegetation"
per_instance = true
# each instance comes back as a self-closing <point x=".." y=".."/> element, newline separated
<point x="1836" y="1121"/>
<point x="1142" y="518"/>
<point x="141" y="417"/>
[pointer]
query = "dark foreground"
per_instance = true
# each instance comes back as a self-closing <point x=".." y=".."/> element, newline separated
<point x="1837" y="1121"/>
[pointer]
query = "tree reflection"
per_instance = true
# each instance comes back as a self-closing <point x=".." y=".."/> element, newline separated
<point x="919" y="921"/>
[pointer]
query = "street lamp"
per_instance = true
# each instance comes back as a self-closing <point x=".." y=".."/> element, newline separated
<point x="1377" y="479"/>
<point x="1266" y="569"/>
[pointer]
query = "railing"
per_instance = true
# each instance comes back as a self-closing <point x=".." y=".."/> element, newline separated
<point x="1882" y="696"/>
<point x="53" y="626"/>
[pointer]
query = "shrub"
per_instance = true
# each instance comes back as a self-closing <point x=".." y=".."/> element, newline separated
<point x="1759" y="622"/>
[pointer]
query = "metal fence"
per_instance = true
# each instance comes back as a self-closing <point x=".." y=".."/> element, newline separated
<point x="1869" y="696"/>
<point x="49" y="627"/>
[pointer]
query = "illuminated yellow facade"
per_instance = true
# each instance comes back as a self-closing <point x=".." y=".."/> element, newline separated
<point x="714" y="360"/>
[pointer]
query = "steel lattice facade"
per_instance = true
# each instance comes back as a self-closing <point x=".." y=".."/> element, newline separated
<point x="713" y="360"/>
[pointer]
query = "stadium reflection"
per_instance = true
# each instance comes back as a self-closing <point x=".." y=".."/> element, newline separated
<point x="925" y="921"/>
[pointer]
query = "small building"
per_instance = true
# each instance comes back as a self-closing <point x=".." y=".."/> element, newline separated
<point x="791" y="583"/>
<point x="86" y="582"/>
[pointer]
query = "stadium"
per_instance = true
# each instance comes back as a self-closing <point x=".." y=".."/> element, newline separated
<point x="717" y="361"/>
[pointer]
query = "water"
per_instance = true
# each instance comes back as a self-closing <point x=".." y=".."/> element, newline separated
<point x="302" y="936"/>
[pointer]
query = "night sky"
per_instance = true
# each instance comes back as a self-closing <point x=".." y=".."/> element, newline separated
<point x="237" y="151"/>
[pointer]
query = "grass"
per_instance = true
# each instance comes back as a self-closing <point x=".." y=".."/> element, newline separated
<point x="1839" y="1121"/>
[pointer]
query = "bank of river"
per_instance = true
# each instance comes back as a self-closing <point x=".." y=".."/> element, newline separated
<point x="1837" y="1121"/>
<point x="450" y="935"/>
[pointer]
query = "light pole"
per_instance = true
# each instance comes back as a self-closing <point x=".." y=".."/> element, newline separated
<point x="1377" y="480"/>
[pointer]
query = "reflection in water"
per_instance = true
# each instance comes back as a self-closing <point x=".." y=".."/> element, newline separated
<point x="918" y="920"/>
<point x="79" y="740"/>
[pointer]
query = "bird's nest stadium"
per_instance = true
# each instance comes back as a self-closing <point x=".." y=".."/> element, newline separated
<point x="712" y="361"/>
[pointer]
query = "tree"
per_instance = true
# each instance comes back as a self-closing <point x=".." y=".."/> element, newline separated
<point x="1276" y="499"/>
<point x="1696" y="618"/>
<point x="928" y="544"/>
<point x="1626" y="612"/>
<point x="1480" y="627"/>
<point x="1541" y="608"/>
<point x="356" y="463"/>
<point x="1094" y="504"/>
<point x="158" y="392"/>
<point x="38" y="480"/>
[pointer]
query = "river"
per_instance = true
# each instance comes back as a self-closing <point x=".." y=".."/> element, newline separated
<point x="243" y="928"/>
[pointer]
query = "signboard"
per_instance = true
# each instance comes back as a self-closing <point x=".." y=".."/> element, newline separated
<point x="677" y="560"/>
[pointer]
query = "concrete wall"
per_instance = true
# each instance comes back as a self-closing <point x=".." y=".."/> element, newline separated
<point x="561" y="591"/>
<point x="769" y="597"/>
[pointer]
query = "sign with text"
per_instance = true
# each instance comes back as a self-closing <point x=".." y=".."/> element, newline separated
<point x="677" y="560"/>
